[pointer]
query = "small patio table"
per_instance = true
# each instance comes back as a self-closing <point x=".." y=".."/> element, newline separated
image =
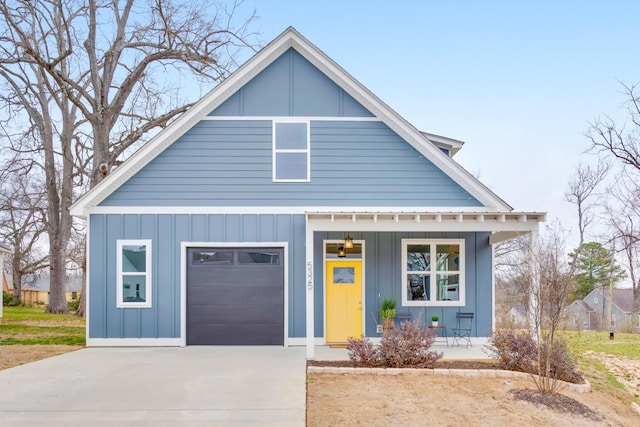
<point x="444" y="333"/>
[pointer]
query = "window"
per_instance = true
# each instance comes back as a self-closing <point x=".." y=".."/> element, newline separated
<point x="134" y="273"/>
<point x="433" y="272"/>
<point x="291" y="152"/>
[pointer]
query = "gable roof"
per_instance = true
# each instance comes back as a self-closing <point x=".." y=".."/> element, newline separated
<point x="290" y="38"/>
<point x="622" y="298"/>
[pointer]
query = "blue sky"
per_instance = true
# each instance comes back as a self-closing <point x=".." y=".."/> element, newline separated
<point x="517" y="81"/>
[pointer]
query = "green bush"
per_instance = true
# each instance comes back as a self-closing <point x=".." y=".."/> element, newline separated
<point x="6" y="298"/>
<point x="73" y="305"/>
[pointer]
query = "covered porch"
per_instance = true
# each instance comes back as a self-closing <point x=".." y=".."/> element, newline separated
<point x="495" y="226"/>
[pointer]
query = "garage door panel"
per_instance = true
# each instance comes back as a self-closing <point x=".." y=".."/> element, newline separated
<point x="246" y="334"/>
<point x="236" y="314"/>
<point x="235" y="303"/>
<point x="250" y="296"/>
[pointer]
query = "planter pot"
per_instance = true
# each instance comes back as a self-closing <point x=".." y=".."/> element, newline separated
<point x="434" y="323"/>
<point x="387" y="325"/>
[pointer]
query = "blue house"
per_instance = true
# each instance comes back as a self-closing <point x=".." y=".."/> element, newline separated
<point x="281" y="209"/>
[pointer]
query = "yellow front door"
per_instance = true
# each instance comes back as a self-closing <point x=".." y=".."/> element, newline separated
<point x="344" y="300"/>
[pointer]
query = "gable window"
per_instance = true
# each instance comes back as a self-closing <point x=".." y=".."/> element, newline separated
<point x="134" y="274"/>
<point x="433" y="272"/>
<point x="291" y="152"/>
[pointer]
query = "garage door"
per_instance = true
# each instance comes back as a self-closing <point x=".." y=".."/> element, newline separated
<point x="235" y="296"/>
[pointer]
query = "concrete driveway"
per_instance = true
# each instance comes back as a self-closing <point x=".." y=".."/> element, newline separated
<point x="234" y="386"/>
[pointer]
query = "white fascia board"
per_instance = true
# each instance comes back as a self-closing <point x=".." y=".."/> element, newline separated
<point x="292" y="210"/>
<point x="290" y="38"/>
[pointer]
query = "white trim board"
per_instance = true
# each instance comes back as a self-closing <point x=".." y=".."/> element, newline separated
<point x="290" y="38"/>
<point x="134" y="342"/>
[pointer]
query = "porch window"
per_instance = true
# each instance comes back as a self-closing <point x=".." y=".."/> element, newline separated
<point x="134" y="274"/>
<point x="433" y="272"/>
<point x="291" y="152"/>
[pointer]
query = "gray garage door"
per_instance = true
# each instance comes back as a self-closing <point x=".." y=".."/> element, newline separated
<point x="235" y="296"/>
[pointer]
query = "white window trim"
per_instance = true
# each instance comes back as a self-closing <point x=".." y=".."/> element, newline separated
<point x="147" y="274"/>
<point x="433" y="272"/>
<point x="275" y="151"/>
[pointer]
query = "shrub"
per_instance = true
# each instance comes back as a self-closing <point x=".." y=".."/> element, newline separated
<point x="514" y="351"/>
<point x="517" y="351"/>
<point x="409" y="347"/>
<point x="6" y="298"/>
<point x="562" y="366"/>
<point x="404" y="348"/>
<point x="362" y="352"/>
<point x="73" y="305"/>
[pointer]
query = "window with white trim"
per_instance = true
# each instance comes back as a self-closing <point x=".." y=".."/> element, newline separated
<point x="291" y="151"/>
<point x="134" y="274"/>
<point x="433" y="272"/>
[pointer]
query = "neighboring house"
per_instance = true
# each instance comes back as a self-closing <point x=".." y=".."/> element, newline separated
<point x="592" y="313"/>
<point x="4" y="249"/>
<point x="518" y="315"/>
<point x="230" y="226"/>
<point x="35" y="289"/>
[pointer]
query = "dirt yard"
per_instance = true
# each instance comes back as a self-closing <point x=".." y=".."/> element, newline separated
<point x="410" y="400"/>
<point x="15" y="355"/>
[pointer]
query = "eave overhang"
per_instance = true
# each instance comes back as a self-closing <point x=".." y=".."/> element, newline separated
<point x="502" y="225"/>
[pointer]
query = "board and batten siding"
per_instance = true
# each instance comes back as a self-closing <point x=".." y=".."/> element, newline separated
<point x="229" y="163"/>
<point x="167" y="232"/>
<point x="291" y="86"/>
<point x="383" y="275"/>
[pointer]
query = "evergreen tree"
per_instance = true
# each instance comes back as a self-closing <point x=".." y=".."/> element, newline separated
<point x="594" y="268"/>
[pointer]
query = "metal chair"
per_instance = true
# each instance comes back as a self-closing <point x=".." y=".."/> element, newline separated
<point x="462" y="331"/>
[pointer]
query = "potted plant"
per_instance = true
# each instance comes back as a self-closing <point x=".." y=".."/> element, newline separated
<point x="434" y="319"/>
<point x="388" y="314"/>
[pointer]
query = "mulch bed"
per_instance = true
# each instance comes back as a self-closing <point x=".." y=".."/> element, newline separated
<point x="557" y="402"/>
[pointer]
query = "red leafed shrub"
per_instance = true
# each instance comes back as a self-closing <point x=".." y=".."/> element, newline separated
<point x="363" y="353"/>
<point x="404" y="348"/>
<point x="409" y="347"/>
<point x="518" y="351"/>
<point x="514" y="351"/>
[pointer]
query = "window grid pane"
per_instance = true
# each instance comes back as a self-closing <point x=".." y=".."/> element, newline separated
<point x="291" y="166"/>
<point x="291" y="136"/>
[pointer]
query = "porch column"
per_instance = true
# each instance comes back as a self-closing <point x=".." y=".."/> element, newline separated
<point x="535" y="283"/>
<point x="309" y="286"/>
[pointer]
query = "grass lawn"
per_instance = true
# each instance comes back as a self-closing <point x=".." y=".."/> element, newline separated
<point x="601" y="379"/>
<point x="32" y="326"/>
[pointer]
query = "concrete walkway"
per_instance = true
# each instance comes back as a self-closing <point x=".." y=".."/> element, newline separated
<point x="230" y="386"/>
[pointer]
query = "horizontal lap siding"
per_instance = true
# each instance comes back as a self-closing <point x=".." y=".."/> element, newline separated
<point x="229" y="163"/>
<point x="167" y="232"/>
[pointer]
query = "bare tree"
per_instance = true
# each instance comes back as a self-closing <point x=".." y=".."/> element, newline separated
<point x="21" y="226"/>
<point x="621" y="141"/>
<point x="623" y="217"/>
<point x="36" y="100"/>
<point x="551" y="279"/>
<point x="118" y="66"/>
<point x="582" y="186"/>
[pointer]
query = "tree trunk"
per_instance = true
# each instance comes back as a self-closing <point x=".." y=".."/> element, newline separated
<point x="57" y="294"/>
<point x="82" y="307"/>
<point x="17" y="282"/>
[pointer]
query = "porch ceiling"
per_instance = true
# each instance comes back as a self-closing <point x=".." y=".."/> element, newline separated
<point x="504" y="225"/>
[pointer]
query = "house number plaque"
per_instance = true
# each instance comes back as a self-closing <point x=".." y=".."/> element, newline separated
<point x="309" y="275"/>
